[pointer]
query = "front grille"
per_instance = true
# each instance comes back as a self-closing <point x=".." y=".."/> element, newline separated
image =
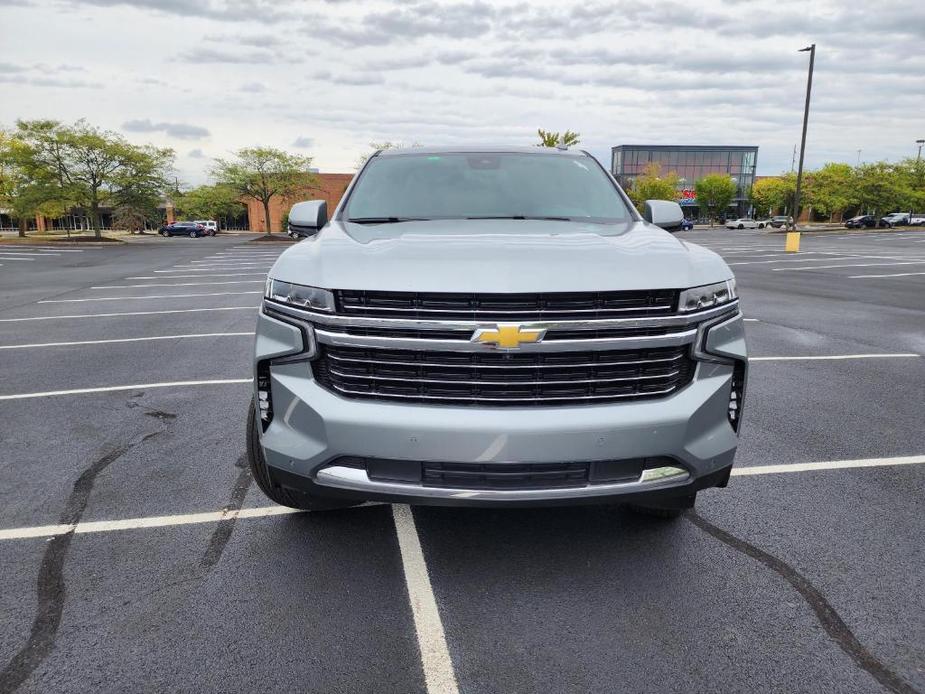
<point x="505" y="475"/>
<point x="502" y="378"/>
<point x="507" y="307"/>
<point x="466" y="334"/>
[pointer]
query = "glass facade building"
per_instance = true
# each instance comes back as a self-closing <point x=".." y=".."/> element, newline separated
<point x="691" y="163"/>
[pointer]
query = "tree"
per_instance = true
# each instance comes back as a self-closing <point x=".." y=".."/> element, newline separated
<point x="138" y="187"/>
<point x="911" y="174"/>
<point x="651" y="185"/>
<point x="830" y="189"/>
<point x="715" y="192"/>
<point x="377" y="146"/>
<point x="23" y="195"/>
<point x="207" y="202"/>
<point x="263" y="172"/>
<point x="548" y="138"/>
<point x="878" y="188"/>
<point x="773" y="194"/>
<point x="88" y="166"/>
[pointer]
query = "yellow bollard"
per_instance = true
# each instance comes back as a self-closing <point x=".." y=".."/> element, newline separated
<point x="793" y="242"/>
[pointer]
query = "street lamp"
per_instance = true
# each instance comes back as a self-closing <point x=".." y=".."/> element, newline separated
<point x="809" y="88"/>
<point x="919" y="143"/>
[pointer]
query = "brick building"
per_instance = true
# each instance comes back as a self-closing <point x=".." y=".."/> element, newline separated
<point x="328" y="186"/>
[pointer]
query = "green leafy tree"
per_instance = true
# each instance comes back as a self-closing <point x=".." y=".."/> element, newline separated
<point x="879" y="188"/>
<point x="715" y="192"/>
<point x="138" y="187"/>
<point x="548" y="138"/>
<point x="911" y="174"/>
<point x="207" y="202"/>
<point x="773" y="194"/>
<point x="87" y="166"/>
<point x="260" y="173"/>
<point x="377" y="146"/>
<point x="652" y="185"/>
<point x="25" y="194"/>
<point x="830" y="190"/>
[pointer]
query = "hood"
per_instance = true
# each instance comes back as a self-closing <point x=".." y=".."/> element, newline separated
<point x="503" y="256"/>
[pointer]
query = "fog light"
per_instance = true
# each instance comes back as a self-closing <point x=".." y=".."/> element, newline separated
<point x="736" y="394"/>
<point x="264" y="400"/>
<point x="658" y="474"/>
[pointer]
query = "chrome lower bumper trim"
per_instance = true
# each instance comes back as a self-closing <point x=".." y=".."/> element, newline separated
<point x="355" y="479"/>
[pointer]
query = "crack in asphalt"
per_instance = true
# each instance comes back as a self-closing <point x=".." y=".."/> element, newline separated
<point x="51" y="591"/>
<point x="828" y="617"/>
<point x="223" y="530"/>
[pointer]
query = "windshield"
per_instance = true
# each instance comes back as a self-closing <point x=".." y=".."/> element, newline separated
<point x="497" y="185"/>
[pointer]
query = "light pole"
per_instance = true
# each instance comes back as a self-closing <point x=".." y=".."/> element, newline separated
<point x="859" y="157"/>
<point x="809" y="89"/>
<point x="919" y="143"/>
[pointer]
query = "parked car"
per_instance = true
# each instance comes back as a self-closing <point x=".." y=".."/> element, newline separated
<point x="865" y="221"/>
<point x="191" y="229"/>
<point x="210" y="224"/>
<point x="388" y="367"/>
<point x="781" y="220"/>
<point x="686" y="225"/>
<point x="742" y="223"/>
<point x="895" y="219"/>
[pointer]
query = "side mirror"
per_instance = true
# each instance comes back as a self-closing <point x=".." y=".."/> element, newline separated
<point x="664" y="213"/>
<point x="306" y="218"/>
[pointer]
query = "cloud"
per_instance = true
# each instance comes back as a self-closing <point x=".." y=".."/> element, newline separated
<point x="252" y="40"/>
<point x="206" y="54"/>
<point x="303" y="142"/>
<point x="262" y="11"/>
<point x="183" y="131"/>
<point x="253" y="87"/>
<point x="195" y="154"/>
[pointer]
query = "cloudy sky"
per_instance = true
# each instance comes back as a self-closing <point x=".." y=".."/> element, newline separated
<point x="326" y="78"/>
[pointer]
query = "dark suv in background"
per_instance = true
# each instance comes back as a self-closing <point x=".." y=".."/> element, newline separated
<point x="862" y="221"/>
<point x="192" y="229"/>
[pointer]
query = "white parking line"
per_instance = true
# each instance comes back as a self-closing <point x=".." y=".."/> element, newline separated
<point x="132" y="313"/>
<point x="898" y="274"/>
<point x="16" y="257"/>
<point x="435" y="656"/>
<point x="178" y="284"/>
<point x="838" y="357"/>
<point x="29" y="247"/>
<point x="207" y="271"/>
<point x="86" y="527"/>
<point x="134" y="298"/>
<point x="122" y="339"/>
<point x="830" y="267"/>
<point x="112" y="389"/>
<point x="198" y="276"/>
<point x="18" y="253"/>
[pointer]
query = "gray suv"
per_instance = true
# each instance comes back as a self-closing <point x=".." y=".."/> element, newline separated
<point x="495" y="327"/>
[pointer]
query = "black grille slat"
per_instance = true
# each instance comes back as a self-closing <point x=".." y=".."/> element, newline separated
<point x="495" y="307"/>
<point x="505" y="475"/>
<point x="528" y="379"/>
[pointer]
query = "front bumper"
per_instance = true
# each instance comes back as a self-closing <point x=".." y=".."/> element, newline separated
<point x="312" y="429"/>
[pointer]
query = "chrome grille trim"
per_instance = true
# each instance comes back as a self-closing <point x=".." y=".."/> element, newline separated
<point x="570" y="365"/>
<point x="480" y="398"/>
<point x="602" y="343"/>
<point x="455" y="381"/>
<point x="493" y="312"/>
<point x="670" y="321"/>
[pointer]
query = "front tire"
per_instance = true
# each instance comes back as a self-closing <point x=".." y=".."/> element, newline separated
<point x="281" y="495"/>
<point x="741" y="226"/>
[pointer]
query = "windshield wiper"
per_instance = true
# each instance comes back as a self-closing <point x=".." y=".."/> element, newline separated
<point x="385" y="220"/>
<point x="525" y="216"/>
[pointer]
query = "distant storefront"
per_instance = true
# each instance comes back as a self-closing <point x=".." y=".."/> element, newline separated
<point x="691" y="163"/>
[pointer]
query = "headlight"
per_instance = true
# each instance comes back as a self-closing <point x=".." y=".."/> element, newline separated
<point x="300" y="296"/>
<point x="708" y="296"/>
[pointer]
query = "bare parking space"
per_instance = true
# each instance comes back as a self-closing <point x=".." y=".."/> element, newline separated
<point x="138" y="554"/>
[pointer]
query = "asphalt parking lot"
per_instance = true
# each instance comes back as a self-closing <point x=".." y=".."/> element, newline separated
<point x="136" y="555"/>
